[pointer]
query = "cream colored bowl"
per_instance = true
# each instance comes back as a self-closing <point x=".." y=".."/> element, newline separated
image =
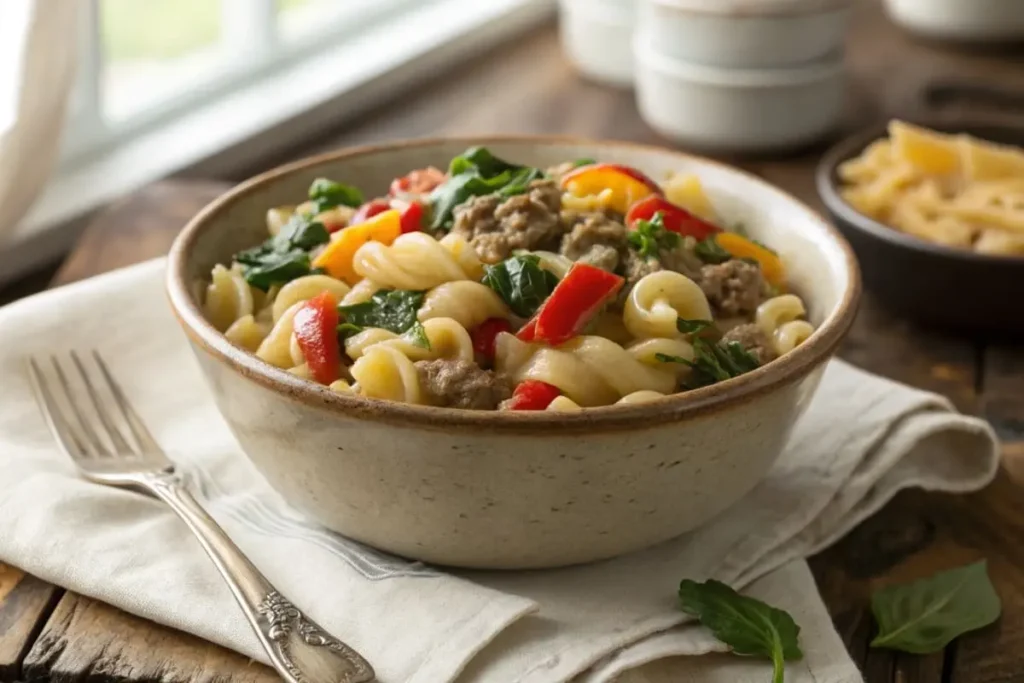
<point x="514" y="490"/>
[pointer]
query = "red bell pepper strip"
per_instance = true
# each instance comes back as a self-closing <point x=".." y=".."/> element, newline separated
<point x="369" y="210"/>
<point x="316" y="325"/>
<point x="528" y="332"/>
<point x="485" y="334"/>
<point x="675" y="218"/>
<point x="573" y="302"/>
<point x="532" y="394"/>
<point x="412" y="218"/>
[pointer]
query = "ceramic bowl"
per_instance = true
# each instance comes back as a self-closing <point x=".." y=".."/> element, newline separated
<point x="738" y="110"/>
<point x="744" y="33"/>
<point x="513" y="490"/>
<point x="961" y="20"/>
<point x="597" y="38"/>
<point x="945" y="287"/>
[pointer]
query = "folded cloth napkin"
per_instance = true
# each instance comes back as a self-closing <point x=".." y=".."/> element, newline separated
<point x="862" y="439"/>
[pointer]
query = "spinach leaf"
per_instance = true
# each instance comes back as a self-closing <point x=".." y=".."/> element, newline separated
<point x="585" y="161"/>
<point x="389" y="309"/>
<point x="347" y="329"/>
<point x="417" y="334"/>
<point x="474" y="173"/>
<point x="924" y="616"/>
<point x="718" y="362"/>
<point x="750" y="627"/>
<point x="709" y="251"/>
<point x="521" y="283"/>
<point x="650" y="237"/>
<point x="327" y="194"/>
<point x="667" y="358"/>
<point x="285" y="256"/>
<point x="691" y="326"/>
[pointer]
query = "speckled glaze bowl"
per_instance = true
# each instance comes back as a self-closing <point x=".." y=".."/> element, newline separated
<point x="514" y="490"/>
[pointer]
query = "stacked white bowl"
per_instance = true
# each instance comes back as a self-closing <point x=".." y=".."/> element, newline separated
<point x="597" y="36"/>
<point x="741" y="75"/>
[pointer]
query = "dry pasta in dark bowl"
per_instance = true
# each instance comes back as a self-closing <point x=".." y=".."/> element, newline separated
<point x="511" y="352"/>
<point x="936" y="216"/>
<point x="495" y="285"/>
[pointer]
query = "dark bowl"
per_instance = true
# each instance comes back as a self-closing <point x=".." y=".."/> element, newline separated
<point x="953" y="289"/>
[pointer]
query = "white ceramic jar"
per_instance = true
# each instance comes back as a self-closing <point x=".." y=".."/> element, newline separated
<point x="597" y="37"/>
<point x="739" y="110"/>
<point x="961" y="20"/>
<point x="744" y="33"/>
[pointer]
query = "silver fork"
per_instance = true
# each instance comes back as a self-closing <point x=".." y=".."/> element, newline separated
<point x="97" y="427"/>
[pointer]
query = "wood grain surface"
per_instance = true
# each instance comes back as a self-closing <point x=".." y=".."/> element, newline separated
<point x="47" y="634"/>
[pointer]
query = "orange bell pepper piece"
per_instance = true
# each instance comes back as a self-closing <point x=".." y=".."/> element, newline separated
<point x="627" y="185"/>
<point x="336" y="258"/>
<point x="740" y="247"/>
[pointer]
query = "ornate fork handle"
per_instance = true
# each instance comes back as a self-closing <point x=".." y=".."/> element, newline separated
<point x="294" y="642"/>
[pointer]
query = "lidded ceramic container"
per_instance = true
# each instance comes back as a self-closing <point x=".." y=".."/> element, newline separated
<point x="597" y="37"/>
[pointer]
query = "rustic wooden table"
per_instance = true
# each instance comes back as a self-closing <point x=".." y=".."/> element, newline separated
<point x="47" y="633"/>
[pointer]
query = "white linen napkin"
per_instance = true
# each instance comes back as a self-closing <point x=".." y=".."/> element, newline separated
<point x="862" y="439"/>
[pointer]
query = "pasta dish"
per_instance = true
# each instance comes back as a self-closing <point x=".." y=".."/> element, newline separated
<point x="497" y="286"/>
<point x="953" y="190"/>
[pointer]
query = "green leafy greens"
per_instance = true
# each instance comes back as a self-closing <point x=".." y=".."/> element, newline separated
<point x="285" y="256"/>
<point x="521" y="283"/>
<point x="327" y="194"/>
<point x="692" y="326"/>
<point x="924" y="616"/>
<point x="750" y="627"/>
<point x="389" y="309"/>
<point x="474" y="173"/>
<point x="585" y="161"/>
<point x="710" y="251"/>
<point x="713" y="363"/>
<point x="650" y="237"/>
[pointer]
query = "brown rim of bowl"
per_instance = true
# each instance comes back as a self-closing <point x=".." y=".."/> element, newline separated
<point x="749" y="11"/>
<point x="794" y="365"/>
<point x="827" y="183"/>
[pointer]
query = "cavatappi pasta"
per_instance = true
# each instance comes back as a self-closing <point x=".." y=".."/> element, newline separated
<point x="953" y="190"/>
<point x="500" y="286"/>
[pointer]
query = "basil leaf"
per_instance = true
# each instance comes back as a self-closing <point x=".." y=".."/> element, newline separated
<point x="691" y="326"/>
<point x="285" y="256"/>
<point x="709" y="251"/>
<point x="347" y="329"/>
<point x="666" y="358"/>
<point x="393" y="310"/>
<point x="585" y="161"/>
<point x="482" y="160"/>
<point x="521" y="283"/>
<point x="474" y="173"/>
<point x="520" y="182"/>
<point x="648" y="238"/>
<point x="924" y="616"/>
<point x="417" y="335"/>
<point x="327" y="194"/>
<point x="750" y="627"/>
<point x="713" y="363"/>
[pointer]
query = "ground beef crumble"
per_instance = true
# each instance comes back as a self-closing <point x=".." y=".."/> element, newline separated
<point x="594" y="238"/>
<point x="462" y="384"/>
<point x="754" y="340"/>
<point x="496" y="226"/>
<point x="733" y="288"/>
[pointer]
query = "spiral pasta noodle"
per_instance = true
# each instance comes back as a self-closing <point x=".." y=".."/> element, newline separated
<point x="304" y="289"/>
<point x="386" y="373"/>
<point x="276" y="348"/>
<point x="564" y="404"/>
<point x="228" y="297"/>
<point x="658" y="300"/>
<point x="448" y="339"/>
<point x="468" y="303"/>
<point x="247" y="332"/>
<point x="590" y="370"/>
<point x="416" y="261"/>
<point x="779" y="318"/>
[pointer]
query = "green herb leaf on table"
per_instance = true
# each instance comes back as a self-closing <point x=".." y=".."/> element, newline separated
<point x="692" y="326"/>
<point x="327" y="194"/>
<point x="747" y="625"/>
<point x="648" y="238"/>
<point x="474" y="173"/>
<point x="924" y="616"/>
<point x="521" y="283"/>
<point x="709" y="251"/>
<point x="389" y="309"/>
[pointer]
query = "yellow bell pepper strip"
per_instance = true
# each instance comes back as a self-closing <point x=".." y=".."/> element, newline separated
<point x="627" y="185"/>
<point x="336" y="258"/>
<point x="739" y="246"/>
